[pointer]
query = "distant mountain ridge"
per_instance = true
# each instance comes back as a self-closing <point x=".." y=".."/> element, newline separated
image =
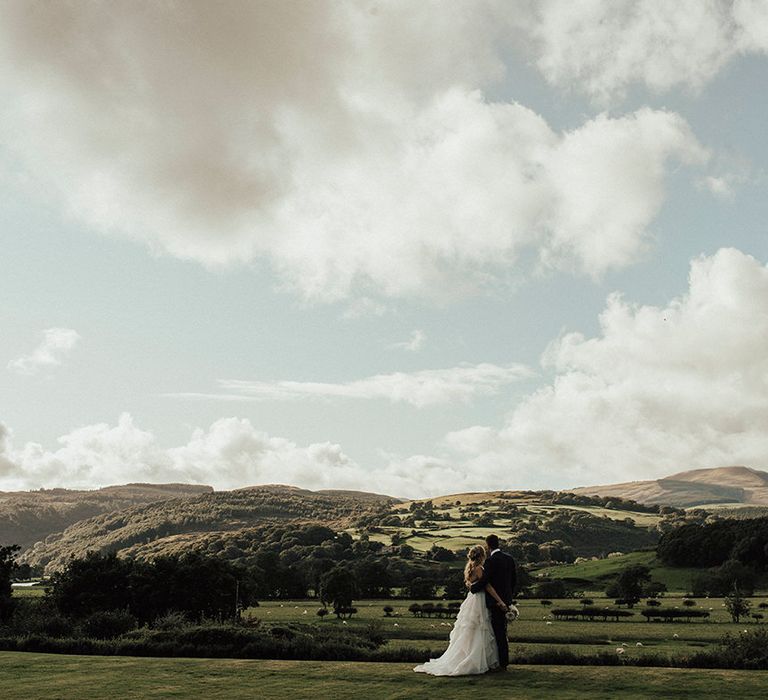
<point x="736" y="485"/>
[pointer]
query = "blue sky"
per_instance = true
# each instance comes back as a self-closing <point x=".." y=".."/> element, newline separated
<point x="372" y="246"/>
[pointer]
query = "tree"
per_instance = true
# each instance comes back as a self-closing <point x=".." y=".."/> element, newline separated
<point x="629" y="584"/>
<point x="322" y="612"/>
<point x="419" y="587"/>
<point x="484" y="520"/>
<point x="372" y="578"/>
<point x="454" y="586"/>
<point x="7" y="568"/>
<point x="94" y="583"/>
<point x="550" y="589"/>
<point x="437" y="553"/>
<point x="736" y="604"/>
<point x="338" y="588"/>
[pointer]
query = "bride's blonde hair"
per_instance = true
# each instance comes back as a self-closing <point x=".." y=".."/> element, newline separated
<point x="475" y="557"/>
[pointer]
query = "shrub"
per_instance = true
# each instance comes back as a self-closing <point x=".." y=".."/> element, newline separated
<point x="653" y="603"/>
<point x="587" y="601"/>
<point x="171" y="621"/>
<point x="748" y="650"/>
<point x="415" y="609"/>
<point x="670" y="615"/>
<point x="550" y="589"/>
<point x="322" y="612"/>
<point x="545" y="602"/>
<point x="689" y="603"/>
<point x="107" y="624"/>
<point x="388" y="610"/>
<point x="590" y="613"/>
<point x="736" y="604"/>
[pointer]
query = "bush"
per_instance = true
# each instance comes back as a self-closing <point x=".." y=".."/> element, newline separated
<point x="590" y="613"/>
<point x="322" y="612"/>
<point x="670" y="614"/>
<point x="748" y="650"/>
<point x="550" y="589"/>
<point x="388" y="610"/>
<point x="171" y="621"/>
<point x="37" y="616"/>
<point x="291" y="641"/>
<point x="107" y="624"/>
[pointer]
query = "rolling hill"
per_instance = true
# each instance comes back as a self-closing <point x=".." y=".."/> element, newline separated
<point x="188" y="522"/>
<point x="27" y="517"/>
<point x="699" y="487"/>
<point x="146" y="520"/>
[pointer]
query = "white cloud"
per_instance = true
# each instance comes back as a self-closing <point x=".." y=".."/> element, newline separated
<point x="660" y="389"/>
<point x="603" y="48"/>
<point x="351" y="145"/>
<point x="414" y="343"/>
<point x="57" y="343"/>
<point x="423" y="388"/>
<point x="231" y="453"/>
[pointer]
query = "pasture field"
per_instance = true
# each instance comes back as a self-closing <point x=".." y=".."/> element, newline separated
<point x="535" y="630"/>
<point x="53" y="677"/>
<point x="29" y="591"/>
<point x="676" y="579"/>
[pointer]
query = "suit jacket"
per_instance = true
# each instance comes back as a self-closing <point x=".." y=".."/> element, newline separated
<point x="500" y="571"/>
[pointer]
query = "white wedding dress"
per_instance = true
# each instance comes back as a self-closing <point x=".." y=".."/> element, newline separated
<point x="472" y="648"/>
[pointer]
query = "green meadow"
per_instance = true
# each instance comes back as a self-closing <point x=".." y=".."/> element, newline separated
<point x="52" y="677"/>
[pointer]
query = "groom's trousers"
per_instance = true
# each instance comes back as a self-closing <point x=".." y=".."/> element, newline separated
<point x="499" y="626"/>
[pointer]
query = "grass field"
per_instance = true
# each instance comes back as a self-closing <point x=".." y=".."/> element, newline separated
<point x="535" y="630"/>
<point x="38" y="676"/>
<point x="676" y="579"/>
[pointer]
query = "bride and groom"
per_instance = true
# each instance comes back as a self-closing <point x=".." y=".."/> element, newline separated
<point x="478" y="641"/>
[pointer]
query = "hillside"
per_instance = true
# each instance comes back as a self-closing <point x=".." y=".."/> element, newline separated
<point x="724" y="485"/>
<point x="191" y="522"/>
<point x="27" y="517"/>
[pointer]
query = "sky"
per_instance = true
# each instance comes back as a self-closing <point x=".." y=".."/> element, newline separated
<point x="411" y="248"/>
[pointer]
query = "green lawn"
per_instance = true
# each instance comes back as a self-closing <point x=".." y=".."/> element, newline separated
<point x="38" y="676"/>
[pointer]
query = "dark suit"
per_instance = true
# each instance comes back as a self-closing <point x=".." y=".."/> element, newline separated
<point x="501" y="573"/>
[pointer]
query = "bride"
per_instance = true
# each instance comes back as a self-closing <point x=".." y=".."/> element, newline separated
<point x="472" y="648"/>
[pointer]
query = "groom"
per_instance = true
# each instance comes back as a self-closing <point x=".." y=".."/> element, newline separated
<point x="501" y="574"/>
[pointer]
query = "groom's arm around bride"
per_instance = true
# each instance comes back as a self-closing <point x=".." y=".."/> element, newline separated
<point x="501" y="573"/>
